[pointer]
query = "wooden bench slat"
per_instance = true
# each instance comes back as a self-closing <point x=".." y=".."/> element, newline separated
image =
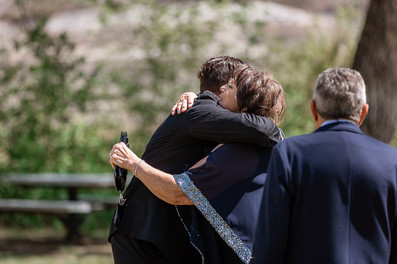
<point x="87" y="180"/>
<point x="45" y="206"/>
<point x="99" y="202"/>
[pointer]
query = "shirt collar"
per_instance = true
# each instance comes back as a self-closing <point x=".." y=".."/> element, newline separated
<point x="331" y="121"/>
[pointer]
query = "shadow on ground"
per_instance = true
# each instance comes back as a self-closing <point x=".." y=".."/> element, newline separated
<point x="31" y="246"/>
<point x="17" y="242"/>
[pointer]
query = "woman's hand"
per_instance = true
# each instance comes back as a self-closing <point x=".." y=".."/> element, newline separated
<point x="160" y="183"/>
<point x="123" y="157"/>
<point x="185" y="101"/>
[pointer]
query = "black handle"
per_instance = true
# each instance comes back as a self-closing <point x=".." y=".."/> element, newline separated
<point x="120" y="175"/>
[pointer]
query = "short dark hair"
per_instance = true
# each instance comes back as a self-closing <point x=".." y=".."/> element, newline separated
<point x="259" y="93"/>
<point x="217" y="72"/>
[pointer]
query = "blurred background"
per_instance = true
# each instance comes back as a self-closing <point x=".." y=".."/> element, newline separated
<point x="73" y="74"/>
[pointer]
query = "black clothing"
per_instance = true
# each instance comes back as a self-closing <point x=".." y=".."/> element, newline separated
<point x="226" y="192"/>
<point x="177" y="144"/>
<point x="127" y="250"/>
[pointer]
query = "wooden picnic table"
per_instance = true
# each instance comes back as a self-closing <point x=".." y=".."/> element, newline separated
<point x="74" y="207"/>
<point x="72" y="182"/>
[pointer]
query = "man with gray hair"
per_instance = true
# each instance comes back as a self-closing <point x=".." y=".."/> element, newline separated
<point x="330" y="196"/>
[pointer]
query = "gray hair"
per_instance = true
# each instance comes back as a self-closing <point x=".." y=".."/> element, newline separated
<point x="340" y="93"/>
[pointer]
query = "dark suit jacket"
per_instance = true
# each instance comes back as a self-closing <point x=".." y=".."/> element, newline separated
<point x="330" y="197"/>
<point x="179" y="143"/>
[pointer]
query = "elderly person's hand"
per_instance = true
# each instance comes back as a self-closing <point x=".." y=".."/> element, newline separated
<point x="123" y="157"/>
<point x="185" y="101"/>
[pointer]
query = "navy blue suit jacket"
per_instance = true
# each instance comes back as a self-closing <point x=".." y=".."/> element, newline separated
<point x="330" y="197"/>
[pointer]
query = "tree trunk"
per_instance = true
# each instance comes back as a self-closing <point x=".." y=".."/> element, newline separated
<point x="376" y="59"/>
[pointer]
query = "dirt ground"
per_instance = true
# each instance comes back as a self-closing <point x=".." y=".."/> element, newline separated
<point x="22" y="246"/>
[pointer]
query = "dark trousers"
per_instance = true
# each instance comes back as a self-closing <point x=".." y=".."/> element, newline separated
<point x="127" y="250"/>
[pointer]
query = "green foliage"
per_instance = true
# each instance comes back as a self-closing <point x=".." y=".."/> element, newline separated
<point x="296" y="64"/>
<point x="297" y="69"/>
<point x="49" y="98"/>
<point x="170" y="42"/>
<point x="41" y="95"/>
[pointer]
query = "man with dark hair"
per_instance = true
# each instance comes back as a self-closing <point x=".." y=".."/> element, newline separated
<point x="216" y="72"/>
<point x="146" y="229"/>
<point x="330" y="196"/>
<point x="226" y="189"/>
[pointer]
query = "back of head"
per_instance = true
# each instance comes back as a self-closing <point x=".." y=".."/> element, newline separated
<point x="340" y="93"/>
<point x="258" y="93"/>
<point x="216" y="72"/>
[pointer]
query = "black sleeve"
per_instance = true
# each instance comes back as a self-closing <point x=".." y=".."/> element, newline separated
<point x="207" y="120"/>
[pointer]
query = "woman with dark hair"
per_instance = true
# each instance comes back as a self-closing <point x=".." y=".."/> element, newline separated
<point x="226" y="188"/>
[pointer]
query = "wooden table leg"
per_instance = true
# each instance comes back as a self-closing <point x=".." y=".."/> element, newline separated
<point x="73" y="221"/>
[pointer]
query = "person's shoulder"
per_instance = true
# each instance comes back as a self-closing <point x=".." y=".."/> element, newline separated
<point x="205" y="96"/>
<point x="206" y="102"/>
<point x="381" y="146"/>
<point x="295" y="140"/>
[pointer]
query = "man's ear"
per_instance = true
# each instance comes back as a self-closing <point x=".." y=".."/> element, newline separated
<point x="314" y="110"/>
<point x="222" y="88"/>
<point x="364" y="113"/>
